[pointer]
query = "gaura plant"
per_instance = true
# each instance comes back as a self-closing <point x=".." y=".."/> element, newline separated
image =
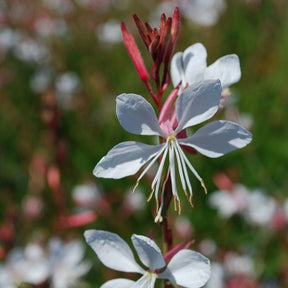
<point x="194" y="99"/>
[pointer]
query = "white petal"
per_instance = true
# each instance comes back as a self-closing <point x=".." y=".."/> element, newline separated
<point x="226" y="69"/>
<point x="136" y="115"/>
<point x="146" y="281"/>
<point x="188" y="269"/>
<point x="177" y="69"/>
<point x="112" y="251"/>
<point x="218" y="138"/>
<point x="194" y="60"/>
<point x="197" y="103"/>
<point x="148" y="252"/>
<point x="125" y="159"/>
<point x="118" y="283"/>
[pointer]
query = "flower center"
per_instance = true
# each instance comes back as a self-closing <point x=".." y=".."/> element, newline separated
<point x="171" y="139"/>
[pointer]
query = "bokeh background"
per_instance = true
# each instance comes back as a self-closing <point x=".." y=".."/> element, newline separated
<point x="62" y="65"/>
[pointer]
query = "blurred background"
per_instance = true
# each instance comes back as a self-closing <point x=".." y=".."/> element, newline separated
<point x="63" y="63"/>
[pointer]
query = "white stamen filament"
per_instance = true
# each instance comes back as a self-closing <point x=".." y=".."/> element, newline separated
<point x="185" y="171"/>
<point x="152" y="162"/>
<point x="180" y="169"/>
<point x="157" y="179"/>
<point x="172" y="170"/>
<point x="188" y="163"/>
<point x="159" y="212"/>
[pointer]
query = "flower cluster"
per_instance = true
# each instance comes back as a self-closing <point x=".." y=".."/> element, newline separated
<point x="61" y="265"/>
<point x="194" y="99"/>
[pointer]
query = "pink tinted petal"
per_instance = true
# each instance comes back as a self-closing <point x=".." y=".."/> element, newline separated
<point x="148" y="252"/>
<point x="136" y="115"/>
<point x="112" y="251"/>
<point x="199" y="102"/>
<point x="118" y="283"/>
<point x="188" y="269"/>
<point x="167" y="118"/>
<point x="125" y="159"/>
<point x="218" y="138"/>
<point x="226" y="69"/>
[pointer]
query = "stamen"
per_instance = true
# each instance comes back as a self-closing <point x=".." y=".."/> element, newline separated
<point x="135" y="186"/>
<point x="172" y="170"/>
<point x="156" y="156"/>
<point x="182" y="179"/>
<point x="203" y="185"/>
<point x="157" y="204"/>
<point x="151" y="194"/>
<point x="175" y="203"/>
<point x="190" y="200"/>
<point x="179" y="207"/>
<point x="188" y="163"/>
<point x="158" y="218"/>
<point x="157" y="179"/>
<point x="185" y="170"/>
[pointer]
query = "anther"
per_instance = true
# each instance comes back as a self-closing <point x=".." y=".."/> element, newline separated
<point x="179" y="207"/>
<point x="203" y="185"/>
<point x="134" y="188"/>
<point x="175" y="203"/>
<point x="151" y="194"/>
<point x="190" y="200"/>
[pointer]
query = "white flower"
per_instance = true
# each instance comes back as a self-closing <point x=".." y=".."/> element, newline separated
<point x="66" y="263"/>
<point x="195" y="105"/>
<point x="260" y="209"/>
<point x="109" y="32"/>
<point x="28" y="265"/>
<point x="202" y="12"/>
<point x="187" y="268"/>
<point x="190" y="66"/>
<point x="229" y="202"/>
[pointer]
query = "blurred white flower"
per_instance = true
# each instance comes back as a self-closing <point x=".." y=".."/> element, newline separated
<point x="239" y="264"/>
<point x="8" y="38"/>
<point x="109" y="32"/>
<point x="260" y="209"/>
<point x="28" y="265"/>
<point x="66" y="84"/>
<point x="183" y="227"/>
<point x="133" y="201"/>
<point x="31" y="50"/>
<point x="231" y="202"/>
<point x="207" y="247"/>
<point x="6" y="279"/>
<point x="202" y="12"/>
<point x="217" y="276"/>
<point x="46" y="27"/>
<point x="285" y="207"/>
<point x="41" y="80"/>
<point x="66" y="263"/>
<point x="86" y="195"/>
<point x="62" y="7"/>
